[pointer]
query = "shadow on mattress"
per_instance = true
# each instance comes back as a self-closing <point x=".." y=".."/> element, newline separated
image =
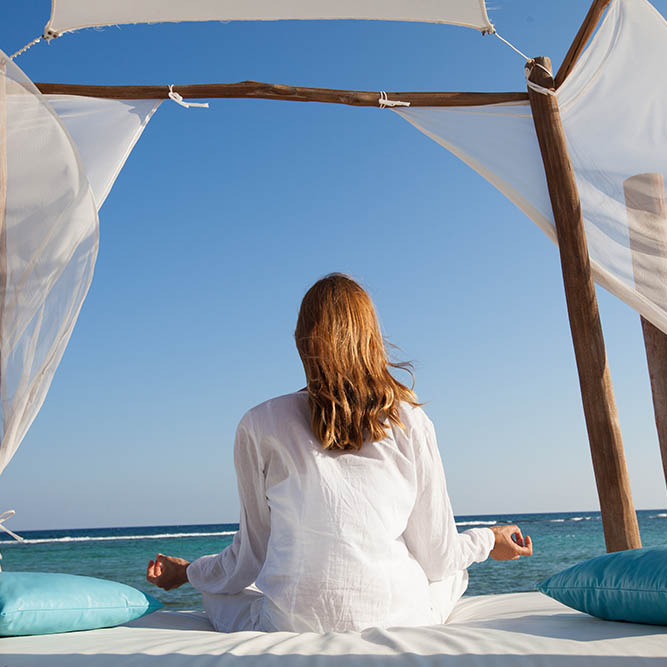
<point x="172" y="620"/>
<point x="284" y="660"/>
<point x="571" y="626"/>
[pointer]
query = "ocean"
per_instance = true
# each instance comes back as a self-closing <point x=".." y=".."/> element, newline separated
<point x="121" y="554"/>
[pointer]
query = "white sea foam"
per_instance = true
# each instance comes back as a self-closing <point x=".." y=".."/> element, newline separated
<point x="110" y="538"/>
<point x="581" y="518"/>
<point x="662" y="515"/>
<point x="476" y="523"/>
<point x="557" y="520"/>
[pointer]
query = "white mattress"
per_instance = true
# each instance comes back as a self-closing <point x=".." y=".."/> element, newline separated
<point x="517" y="630"/>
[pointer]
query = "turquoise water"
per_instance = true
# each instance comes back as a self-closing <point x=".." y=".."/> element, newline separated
<point x="121" y="554"/>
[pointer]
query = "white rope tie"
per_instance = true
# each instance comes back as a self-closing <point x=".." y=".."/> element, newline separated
<point x="530" y="63"/>
<point x="8" y="515"/>
<point x="25" y="48"/>
<point x="179" y="100"/>
<point x="521" y="53"/>
<point x="385" y="102"/>
<point x="536" y="86"/>
<point x="3" y="517"/>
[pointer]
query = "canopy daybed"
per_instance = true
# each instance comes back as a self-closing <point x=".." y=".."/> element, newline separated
<point x="616" y="185"/>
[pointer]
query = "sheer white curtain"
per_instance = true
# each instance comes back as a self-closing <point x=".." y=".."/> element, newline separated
<point x="49" y="229"/>
<point x="104" y="132"/>
<point x="614" y="112"/>
<point x="47" y="254"/>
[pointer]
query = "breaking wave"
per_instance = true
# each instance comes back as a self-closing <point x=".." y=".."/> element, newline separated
<point x="111" y="538"/>
<point x="476" y="523"/>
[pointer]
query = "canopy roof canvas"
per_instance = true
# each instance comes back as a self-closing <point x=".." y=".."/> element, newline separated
<point x="67" y="15"/>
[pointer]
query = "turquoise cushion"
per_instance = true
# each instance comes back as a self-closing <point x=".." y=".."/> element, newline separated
<point x="623" y="586"/>
<point x="38" y="603"/>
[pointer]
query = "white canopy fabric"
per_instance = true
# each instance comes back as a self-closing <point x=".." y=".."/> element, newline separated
<point x="614" y="113"/>
<point x="49" y="228"/>
<point x="105" y="132"/>
<point x="49" y="240"/>
<point x="67" y="15"/>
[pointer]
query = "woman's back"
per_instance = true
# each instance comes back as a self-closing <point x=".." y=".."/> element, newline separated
<point x="345" y="518"/>
<point x="336" y="558"/>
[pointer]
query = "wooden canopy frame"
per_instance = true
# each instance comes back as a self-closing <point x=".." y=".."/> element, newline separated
<point x="275" y="91"/>
<point x="618" y="513"/>
<point x="360" y="98"/>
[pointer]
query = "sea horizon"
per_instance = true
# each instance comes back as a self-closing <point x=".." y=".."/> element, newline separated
<point x="457" y="517"/>
<point x="121" y="553"/>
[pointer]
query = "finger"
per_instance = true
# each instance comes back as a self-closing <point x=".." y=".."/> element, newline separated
<point x="150" y="570"/>
<point x="509" y="531"/>
<point x="516" y="534"/>
<point x="529" y="544"/>
<point x="523" y="551"/>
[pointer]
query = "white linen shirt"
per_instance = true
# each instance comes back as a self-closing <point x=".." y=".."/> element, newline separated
<point x="341" y="540"/>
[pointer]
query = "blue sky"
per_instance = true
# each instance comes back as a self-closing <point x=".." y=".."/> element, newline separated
<point x="221" y="220"/>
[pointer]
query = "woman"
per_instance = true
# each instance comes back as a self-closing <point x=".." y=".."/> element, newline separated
<point x="345" y="518"/>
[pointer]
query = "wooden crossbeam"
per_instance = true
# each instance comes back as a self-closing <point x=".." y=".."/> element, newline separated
<point x="273" y="91"/>
<point x="581" y="39"/>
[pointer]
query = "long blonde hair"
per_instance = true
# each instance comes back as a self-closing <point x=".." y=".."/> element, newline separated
<point x="351" y="393"/>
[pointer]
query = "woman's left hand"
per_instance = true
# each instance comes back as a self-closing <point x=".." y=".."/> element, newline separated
<point x="510" y="543"/>
<point x="167" y="572"/>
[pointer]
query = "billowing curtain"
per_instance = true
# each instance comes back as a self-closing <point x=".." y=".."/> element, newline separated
<point x="614" y="113"/>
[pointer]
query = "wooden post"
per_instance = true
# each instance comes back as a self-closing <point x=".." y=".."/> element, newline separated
<point x="618" y="515"/>
<point x="647" y="220"/>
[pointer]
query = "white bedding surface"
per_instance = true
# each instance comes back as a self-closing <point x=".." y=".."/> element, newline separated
<point x="518" y="630"/>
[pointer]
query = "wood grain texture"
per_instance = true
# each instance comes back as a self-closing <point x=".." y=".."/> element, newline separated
<point x="618" y="514"/>
<point x="647" y="216"/>
<point x="581" y="39"/>
<point x="274" y="91"/>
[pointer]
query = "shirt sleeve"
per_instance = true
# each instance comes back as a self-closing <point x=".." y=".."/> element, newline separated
<point x="431" y="535"/>
<point x="238" y="565"/>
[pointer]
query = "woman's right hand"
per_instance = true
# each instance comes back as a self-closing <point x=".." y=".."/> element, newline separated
<point x="510" y="543"/>
<point x="167" y="571"/>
